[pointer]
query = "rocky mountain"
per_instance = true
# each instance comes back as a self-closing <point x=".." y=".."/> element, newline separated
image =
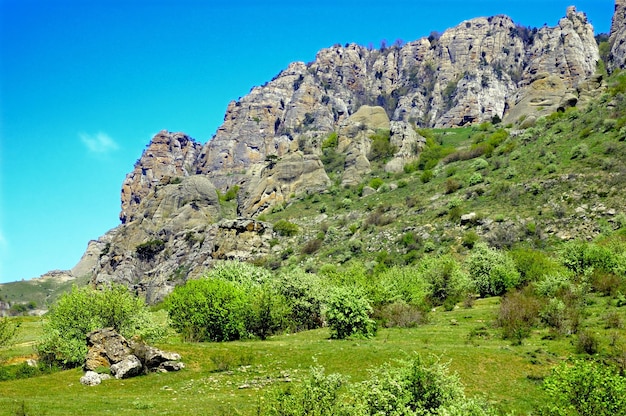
<point x="617" y="39"/>
<point x="185" y="204"/>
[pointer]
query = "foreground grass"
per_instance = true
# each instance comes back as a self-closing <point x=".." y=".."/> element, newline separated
<point x="233" y="378"/>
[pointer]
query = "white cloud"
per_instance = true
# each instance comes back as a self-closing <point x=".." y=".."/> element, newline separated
<point x="98" y="143"/>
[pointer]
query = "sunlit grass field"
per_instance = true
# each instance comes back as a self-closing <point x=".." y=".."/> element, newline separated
<point x="235" y="377"/>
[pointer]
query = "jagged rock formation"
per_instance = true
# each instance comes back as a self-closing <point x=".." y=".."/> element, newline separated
<point x="617" y="39"/>
<point x="168" y="157"/>
<point x="270" y="146"/>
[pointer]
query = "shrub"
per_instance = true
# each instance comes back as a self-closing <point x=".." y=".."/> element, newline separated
<point x="533" y="265"/>
<point x="452" y="185"/>
<point x="376" y="183"/>
<point x="209" y="310"/>
<point x="381" y="148"/>
<point x="475" y="179"/>
<point x="318" y="395"/>
<point x="518" y="314"/>
<point x="285" y="228"/>
<point x="412" y="387"/>
<point x="400" y="314"/>
<point x="580" y="151"/>
<point x="447" y="283"/>
<point x="348" y="314"/>
<point x="586" y="343"/>
<point x="585" y="388"/>
<point x="492" y="271"/>
<point x="8" y="330"/>
<point x="426" y="176"/>
<point x="304" y="293"/>
<point x="83" y="310"/>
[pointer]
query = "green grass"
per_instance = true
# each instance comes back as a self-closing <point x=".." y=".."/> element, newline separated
<point x="509" y="376"/>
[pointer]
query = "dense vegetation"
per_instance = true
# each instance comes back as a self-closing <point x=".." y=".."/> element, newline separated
<point x="500" y="249"/>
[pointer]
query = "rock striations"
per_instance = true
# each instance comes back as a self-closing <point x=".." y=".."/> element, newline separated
<point x="175" y="216"/>
<point x="617" y="39"/>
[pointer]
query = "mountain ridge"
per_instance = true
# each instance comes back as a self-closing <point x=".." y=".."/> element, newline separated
<point x="184" y="203"/>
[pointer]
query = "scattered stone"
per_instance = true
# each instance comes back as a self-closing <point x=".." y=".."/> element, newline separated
<point x="468" y="218"/>
<point x="90" y="378"/>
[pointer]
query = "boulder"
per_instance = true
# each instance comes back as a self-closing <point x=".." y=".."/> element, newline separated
<point x="106" y="347"/>
<point x="90" y="378"/>
<point x="152" y="357"/>
<point x="130" y="366"/>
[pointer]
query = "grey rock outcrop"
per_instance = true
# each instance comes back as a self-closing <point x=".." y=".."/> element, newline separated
<point x="617" y="38"/>
<point x="168" y="156"/>
<point x="176" y="254"/>
<point x="108" y="349"/>
<point x="408" y="142"/>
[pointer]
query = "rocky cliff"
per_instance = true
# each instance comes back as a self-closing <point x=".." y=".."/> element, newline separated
<point x="275" y="142"/>
<point x="617" y="39"/>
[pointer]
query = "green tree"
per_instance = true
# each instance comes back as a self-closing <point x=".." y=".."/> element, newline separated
<point x="209" y="310"/>
<point x="492" y="271"/>
<point x="585" y="388"/>
<point x="85" y="309"/>
<point x="8" y="330"/>
<point x="348" y="314"/>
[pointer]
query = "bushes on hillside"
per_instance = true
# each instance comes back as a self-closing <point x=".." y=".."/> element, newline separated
<point x="585" y="388"/>
<point x="492" y="271"/>
<point x="349" y="314"/>
<point x="8" y="329"/>
<point x="408" y="388"/>
<point x="83" y="310"/>
<point x="209" y="310"/>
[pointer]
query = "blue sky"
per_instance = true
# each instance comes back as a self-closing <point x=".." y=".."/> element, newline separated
<point x="84" y="85"/>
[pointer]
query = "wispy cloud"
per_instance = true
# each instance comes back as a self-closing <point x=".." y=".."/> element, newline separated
<point x="99" y="143"/>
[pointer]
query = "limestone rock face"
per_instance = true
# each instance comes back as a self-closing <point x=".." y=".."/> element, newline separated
<point x="355" y="142"/>
<point x="168" y="156"/>
<point x="295" y="172"/>
<point x="568" y="50"/>
<point x="408" y="142"/>
<point x="617" y="39"/>
<point x="151" y="261"/>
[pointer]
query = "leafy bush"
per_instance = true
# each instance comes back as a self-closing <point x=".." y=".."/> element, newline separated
<point x="518" y="314"/>
<point x="533" y="265"/>
<point x="376" y="183"/>
<point x="348" y="314"/>
<point x="585" y="388"/>
<point x="239" y="272"/>
<point x="83" y="310"/>
<point x="492" y="271"/>
<point x="381" y="148"/>
<point x="285" y="228"/>
<point x="414" y="387"/>
<point x="318" y="395"/>
<point x="209" y="310"/>
<point x="304" y="293"/>
<point x="447" y="283"/>
<point x="475" y="179"/>
<point x="8" y="329"/>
